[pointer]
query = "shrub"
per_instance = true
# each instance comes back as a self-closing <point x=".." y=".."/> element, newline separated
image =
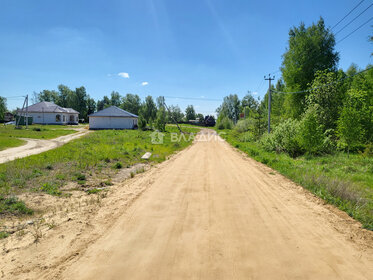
<point x="355" y="114"/>
<point x="224" y="123"/>
<point x="311" y="132"/>
<point x="284" y="138"/>
<point x="141" y="123"/>
<point x="267" y="142"/>
<point x="160" y="122"/>
<point x="243" y="125"/>
<point x="329" y="143"/>
<point x="118" y="165"/>
<point x="246" y="137"/>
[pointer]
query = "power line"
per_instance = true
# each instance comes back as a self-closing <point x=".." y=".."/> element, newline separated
<point x="353" y="19"/>
<point x="276" y="72"/>
<point x="355" y="30"/>
<point x="10" y="97"/>
<point x="340" y="31"/>
<point x="307" y="90"/>
<point x="260" y="86"/>
<point x="347" y="14"/>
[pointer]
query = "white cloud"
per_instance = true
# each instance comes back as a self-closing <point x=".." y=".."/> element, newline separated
<point x="144" y="83"/>
<point x="124" y="75"/>
<point x="255" y="93"/>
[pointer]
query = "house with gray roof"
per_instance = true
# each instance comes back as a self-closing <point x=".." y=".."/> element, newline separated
<point x="112" y="118"/>
<point x="49" y="113"/>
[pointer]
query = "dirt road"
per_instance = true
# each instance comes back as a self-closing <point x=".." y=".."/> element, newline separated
<point x="211" y="213"/>
<point x="37" y="146"/>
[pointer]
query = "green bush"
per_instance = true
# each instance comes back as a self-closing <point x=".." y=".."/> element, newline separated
<point x="355" y="120"/>
<point x="160" y="121"/>
<point x="224" y="123"/>
<point x="141" y="123"/>
<point x="243" y="125"/>
<point x="267" y="142"/>
<point x="312" y="137"/>
<point x="311" y="132"/>
<point x="284" y="138"/>
<point x="246" y="137"/>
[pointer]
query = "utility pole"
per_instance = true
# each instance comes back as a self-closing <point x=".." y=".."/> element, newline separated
<point x="269" y="79"/>
<point x="20" y="114"/>
<point x="164" y="103"/>
<point x="26" y="111"/>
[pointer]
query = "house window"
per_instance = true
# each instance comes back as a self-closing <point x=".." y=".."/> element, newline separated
<point x="76" y="118"/>
<point x="71" y="118"/>
<point x="58" y="118"/>
<point x="63" y="118"/>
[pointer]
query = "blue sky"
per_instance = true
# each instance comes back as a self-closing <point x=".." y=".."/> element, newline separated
<point x="194" y="49"/>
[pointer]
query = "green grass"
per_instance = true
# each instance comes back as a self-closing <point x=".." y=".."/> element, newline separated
<point x="100" y="152"/>
<point x="93" y="191"/>
<point x="13" y="206"/>
<point x="10" y="142"/>
<point x="35" y="132"/>
<point x="3" y="234"/>
<point x="9" y="136"/>
<point x="346" y="182"/>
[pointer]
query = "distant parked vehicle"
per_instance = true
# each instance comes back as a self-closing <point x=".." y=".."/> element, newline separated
<point x="8" y="123"/>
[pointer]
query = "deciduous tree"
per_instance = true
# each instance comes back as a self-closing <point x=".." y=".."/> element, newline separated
<point x="2" y="108"/>
<point x="131" y="103"/>
<point x="190" y="113"/>
<point x="310" y="49"/>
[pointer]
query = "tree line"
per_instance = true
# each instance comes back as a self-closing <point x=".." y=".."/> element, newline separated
<point x="316" y="107"/>
<point x="152" y="113"/>
<point x="65" y="97"/>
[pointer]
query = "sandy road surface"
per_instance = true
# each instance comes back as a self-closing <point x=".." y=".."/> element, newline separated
<point x="208" y="213"/>
<point x="37" y="146"/>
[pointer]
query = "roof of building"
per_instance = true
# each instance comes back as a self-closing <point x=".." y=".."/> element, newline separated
<point x="113" y="111"/>
<point x="71" y="110"/>
<point x="48" y="107"/>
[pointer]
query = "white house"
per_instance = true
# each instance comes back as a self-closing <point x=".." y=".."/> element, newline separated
<point x="50" y="113"/>
<point x="112" y="118"/>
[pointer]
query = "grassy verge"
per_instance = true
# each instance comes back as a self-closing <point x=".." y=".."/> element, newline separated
<point x="34" y="131"/>
<point x="101" y="152"/>
<point x="346" y="182"/>
<point x="10" y="142"/>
